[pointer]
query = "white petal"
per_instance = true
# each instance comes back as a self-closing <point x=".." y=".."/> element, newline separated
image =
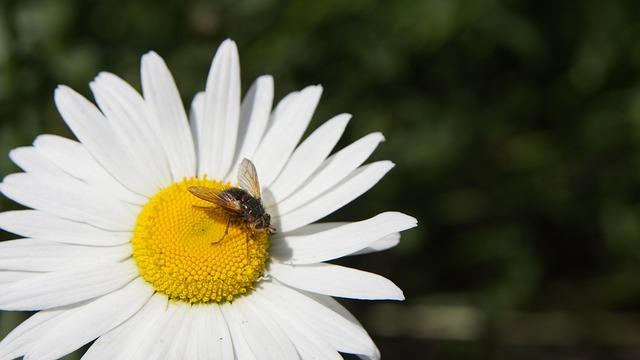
<point x="8" y="277"/>
<point x="68" y="198"/>
<point x="199" y="345"/>
<point x="140" y="112"/>
<point x="72" y="158"/>
<point x="308" y="342"/>
<point x="115" y="343"/>
<point x="341" y="333"/>
<point x="306" y="159"/>
<point x="68" y="286"/>
<point x="178" y="339"/>
<point x="142" y="329"/>
<point x="334" y="280"/>
<point x="161" y="94"/>
<point x="93" y="130"/>
<point x="195" y="337"/>
<point x="219" y="127"/>
<point x="163" y="342"/>
<point x="196" y="113"/>
<point x="152" y="331"/>
<point x="313" y="228"/>
<point x="40" y="225"/>
<point x="356" y="184"/>
<point x="382" y="244"/>
<point x="41" y="255"/>
<point x="332" y="171"/>
<point x="22" y="337"/>
<point x="215" y="333"/>
<point x="334" y="305"/>
<point x="339" y="241"/>
<point x="254" y="118"/>
<point x="29" y="160"/>
<point x="284" y="134"/>
<point x="263" y="334"/>
<point x="241" y="345"/>
<point x="127" y="113"/>
<point x="283" y="104"/>
<point x="221" y="333"/>
<point x="84" y="324"/>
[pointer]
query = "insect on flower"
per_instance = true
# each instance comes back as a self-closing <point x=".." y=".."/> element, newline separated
<point x="243" y="201"/>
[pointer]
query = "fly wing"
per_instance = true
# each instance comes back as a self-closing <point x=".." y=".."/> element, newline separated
<point x="248" y="178"/>
<point x="216" y="197"/>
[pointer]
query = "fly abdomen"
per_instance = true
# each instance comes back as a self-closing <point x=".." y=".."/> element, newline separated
<point x="251" y="208"/>
<point x="254" y="207"/>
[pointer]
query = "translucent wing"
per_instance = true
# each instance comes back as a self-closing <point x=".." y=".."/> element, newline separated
<point x="248" y="178"/>
<point x="216" y="197"/>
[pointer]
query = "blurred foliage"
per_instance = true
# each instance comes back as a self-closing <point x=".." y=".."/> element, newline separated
<point x="515" y="127"/>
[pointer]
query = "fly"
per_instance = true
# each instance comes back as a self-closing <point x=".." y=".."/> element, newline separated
<point x="243" y="202"/>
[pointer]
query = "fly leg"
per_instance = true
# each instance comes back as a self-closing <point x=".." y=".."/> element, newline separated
<point x="264" y="277"/>
<point x="250" y="236"/>
<point x="226" y="231"/>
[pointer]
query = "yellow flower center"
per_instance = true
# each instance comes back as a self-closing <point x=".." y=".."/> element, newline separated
<point x="194" y="251"/>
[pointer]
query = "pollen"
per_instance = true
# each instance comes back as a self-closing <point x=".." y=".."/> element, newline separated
<point x="194" y="251"/>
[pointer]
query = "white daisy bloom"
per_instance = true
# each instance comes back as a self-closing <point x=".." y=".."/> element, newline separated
<point x="118" y="250"/>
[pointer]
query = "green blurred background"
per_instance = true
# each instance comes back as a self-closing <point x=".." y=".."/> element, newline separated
<point x="515" y="127"/>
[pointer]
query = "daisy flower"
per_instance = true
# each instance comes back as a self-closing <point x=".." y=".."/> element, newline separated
<point x="116" y="249"/>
